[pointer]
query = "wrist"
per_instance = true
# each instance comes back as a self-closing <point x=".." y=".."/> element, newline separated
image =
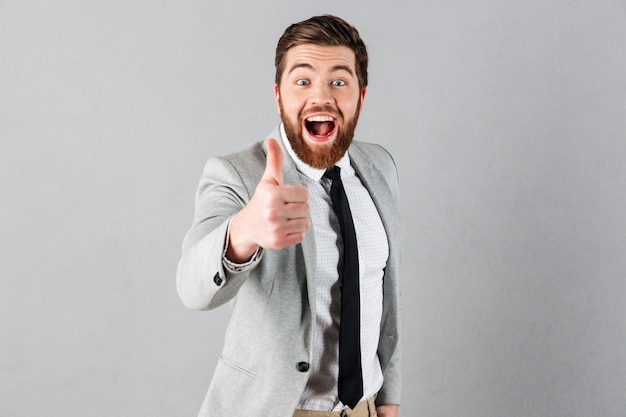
<point x="238" y="248"/>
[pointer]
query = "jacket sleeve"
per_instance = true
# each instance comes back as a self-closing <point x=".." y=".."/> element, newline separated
<point x="201" y="280"/>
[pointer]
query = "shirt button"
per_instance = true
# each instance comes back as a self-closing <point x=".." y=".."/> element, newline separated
<point x="217" y="280"/>
<point x="303" y="366"/>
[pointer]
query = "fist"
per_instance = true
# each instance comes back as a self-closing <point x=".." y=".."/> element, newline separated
<point x="276" y="217"/>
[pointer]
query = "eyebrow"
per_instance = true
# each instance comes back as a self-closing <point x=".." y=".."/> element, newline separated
<point x="310" y="67"/>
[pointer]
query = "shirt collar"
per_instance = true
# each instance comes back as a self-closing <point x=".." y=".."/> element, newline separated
<point x="314" y="173"/>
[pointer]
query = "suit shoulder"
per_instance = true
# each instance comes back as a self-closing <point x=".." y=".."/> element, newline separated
<point x="247" y="162"/>
<point x="376" y="153"/>
<point x="249" y="155"/>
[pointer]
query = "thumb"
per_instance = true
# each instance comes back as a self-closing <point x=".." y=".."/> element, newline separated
<point x="274" y="164"/>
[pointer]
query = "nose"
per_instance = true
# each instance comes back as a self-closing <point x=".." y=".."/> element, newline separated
<point x="321" y="95"/>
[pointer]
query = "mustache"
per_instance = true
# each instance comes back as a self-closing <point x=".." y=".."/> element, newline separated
<point x="322" y="109"/>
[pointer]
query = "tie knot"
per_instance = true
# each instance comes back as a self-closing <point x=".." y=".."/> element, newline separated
<point x="334" y="173"/>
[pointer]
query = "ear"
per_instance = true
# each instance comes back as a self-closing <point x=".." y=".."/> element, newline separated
<point x="277" y="97"/>
<point x="363" y="92"/>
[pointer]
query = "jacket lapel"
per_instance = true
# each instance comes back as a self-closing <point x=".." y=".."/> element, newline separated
<point x="376" y="183"/>
<point x="291" y="176"/>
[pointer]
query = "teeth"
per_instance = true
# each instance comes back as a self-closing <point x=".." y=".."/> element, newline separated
<point x="319" y="119"/>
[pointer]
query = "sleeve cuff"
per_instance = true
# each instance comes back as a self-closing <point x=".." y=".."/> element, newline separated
<point x="243" y="267"/>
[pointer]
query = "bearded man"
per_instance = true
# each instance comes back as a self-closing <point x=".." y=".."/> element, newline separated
<point x="303" y="231"/>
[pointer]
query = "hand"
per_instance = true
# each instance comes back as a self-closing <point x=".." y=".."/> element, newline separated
<point x="277" y="215"/>
<point x="387" y="410"/>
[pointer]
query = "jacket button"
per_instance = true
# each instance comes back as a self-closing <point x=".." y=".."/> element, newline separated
<point x="217" y="280"/>
<point x="303" y="366"/>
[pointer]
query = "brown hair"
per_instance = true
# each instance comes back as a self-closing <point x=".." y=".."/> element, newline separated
<point x="323" y="30"/>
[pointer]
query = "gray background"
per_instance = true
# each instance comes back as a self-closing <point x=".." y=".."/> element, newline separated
<point x="507" y="120"/>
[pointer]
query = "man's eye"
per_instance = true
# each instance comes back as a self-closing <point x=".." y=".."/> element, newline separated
<point x="302" y="82"/>
<point x="338" y="83"/>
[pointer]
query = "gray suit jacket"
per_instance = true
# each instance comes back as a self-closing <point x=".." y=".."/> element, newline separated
<point x="263" y="366"/>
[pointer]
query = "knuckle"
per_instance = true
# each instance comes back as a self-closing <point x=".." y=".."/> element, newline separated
<point x="272" y="214"/>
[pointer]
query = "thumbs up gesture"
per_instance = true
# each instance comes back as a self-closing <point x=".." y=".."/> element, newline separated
<point x="274" y="165"/>
<point x="277" y="215"/>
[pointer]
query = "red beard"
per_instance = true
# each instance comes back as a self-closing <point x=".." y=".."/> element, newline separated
<point x="322" y="156"/>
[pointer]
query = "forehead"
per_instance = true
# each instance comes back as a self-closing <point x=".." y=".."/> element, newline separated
<point x="319" y="58"/>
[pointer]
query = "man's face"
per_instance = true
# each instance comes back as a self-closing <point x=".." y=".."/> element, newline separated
<point x="319" y="102"/>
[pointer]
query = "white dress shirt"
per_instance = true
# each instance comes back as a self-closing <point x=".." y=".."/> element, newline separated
<point x="321" y="390"/>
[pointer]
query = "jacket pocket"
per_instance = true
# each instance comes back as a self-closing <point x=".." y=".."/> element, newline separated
<point x="235" y="366"/>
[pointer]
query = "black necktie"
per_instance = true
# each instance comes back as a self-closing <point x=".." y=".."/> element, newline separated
<point x="350" y="373"/>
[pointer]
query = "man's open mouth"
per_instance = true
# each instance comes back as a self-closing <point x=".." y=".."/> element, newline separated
<point x="320" y="126"/>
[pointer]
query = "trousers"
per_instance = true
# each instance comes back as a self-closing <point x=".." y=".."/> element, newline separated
<point x="363" y="409"/>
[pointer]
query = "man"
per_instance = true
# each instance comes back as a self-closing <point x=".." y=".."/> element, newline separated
<point x="314" y="328"/>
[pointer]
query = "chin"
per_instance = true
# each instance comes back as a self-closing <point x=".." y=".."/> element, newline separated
<point x="319" y="139"/>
